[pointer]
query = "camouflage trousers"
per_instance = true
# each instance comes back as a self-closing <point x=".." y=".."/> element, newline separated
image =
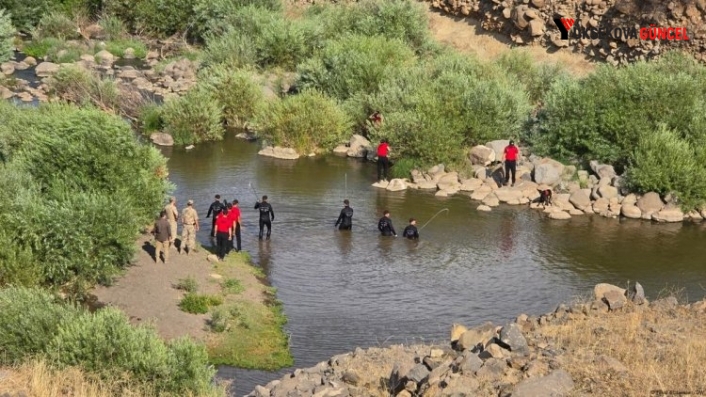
<point x="188" y="238"/>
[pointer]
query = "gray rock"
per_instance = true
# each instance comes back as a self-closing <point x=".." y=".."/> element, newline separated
<point x="46" y="69"/>
<point x="418" y="373"/>
<point x="470" y="363"/>
<point x="668" y="303"/>
<point x="602" y="170"/>
<point x="608" y="192"/>
<point x="162" y="139"/>
<point x="548" y="172"/>
<point x="636" y="294"/>
<point x="650" y="203"/>
<point x="614" y="299"/>
<point x="482" y="155"/>
<point x="580" y="199"/>
<point x="493" y="368"/>
<point x="498" y="147"/>
<point x="105" y="57"/>
<point x="358" y="146"/>
<point x="556" y="384"/>
<point x="351" y="378"/>
<point x="630" y="211"/>
<point x="279" y="153"/>
<point x="511" y="338"/>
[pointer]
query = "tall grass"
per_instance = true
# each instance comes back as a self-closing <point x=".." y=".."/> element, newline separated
<point x="193" y="118"/>
<point x="237" y="91"/>
<point x="7" y="36"/>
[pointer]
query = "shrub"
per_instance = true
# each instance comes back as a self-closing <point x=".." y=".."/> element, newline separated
<point x="237" y="92"/>
<point x="193" y="118"/>
<point x="18" y="265"/>
<point x="40" y="48"/>
<point x="664" y="162"/>
<point x="221" y="319"/>
<point x="55" y="24"/>
<point x="537" y="78"/>
<point x="150" y="118"/>
<point x="232" y="286"/>
<point x="306" y="122"/>
<point x="187" y="284"/>
<point x="209" y="14"/>
<point x="25" y="13"/>
<point x="112" y="26"/>
<point x="118" y="47"/>
<point x="124" y="10"/>
<point x="355" y="64"/>
<point x="198" y="304"/>
<point x="163" y="17"/>
<point x="7" y="36"/>
<point x="85" y="88"/>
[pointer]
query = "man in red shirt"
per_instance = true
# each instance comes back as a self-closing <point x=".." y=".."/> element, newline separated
<point x="383" y="161"/>
<point x="510" y="156"/>
<point x="235" y="216"/>
<point x="224" y="229"/>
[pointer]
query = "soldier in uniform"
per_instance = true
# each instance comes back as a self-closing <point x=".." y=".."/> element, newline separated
<point x="190" y="220"/>
<point x="172" y="217"/>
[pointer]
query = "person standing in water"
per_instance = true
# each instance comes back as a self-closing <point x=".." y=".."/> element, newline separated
<point x="267" y="215"/>
<point x="383" y="161"/>
<point x="411" y="232"/>
<point x="385" y="225"/>
<point x="345" y="219"/>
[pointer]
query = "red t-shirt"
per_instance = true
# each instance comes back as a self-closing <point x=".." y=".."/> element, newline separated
<point x="234" y="214"/>
<point x="223" y="223"/>
<point x="382" y="150"/>
<point x="511" y="152"/>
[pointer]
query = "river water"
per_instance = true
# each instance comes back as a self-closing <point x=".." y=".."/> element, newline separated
<point x="344" y="290"/>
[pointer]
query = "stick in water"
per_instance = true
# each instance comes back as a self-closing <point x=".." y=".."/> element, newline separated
<point x="346" y="191"/>
<point x="432" y="218"/>
<point x="254" y="192"/>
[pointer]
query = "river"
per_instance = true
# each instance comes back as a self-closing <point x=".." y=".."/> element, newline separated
<point x="344" y="290"/>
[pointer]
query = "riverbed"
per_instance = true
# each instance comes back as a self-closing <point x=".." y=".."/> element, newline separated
<point x="356" y="289"/>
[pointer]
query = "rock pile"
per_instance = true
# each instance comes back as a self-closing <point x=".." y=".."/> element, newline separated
<point x="532" y="22"/>
<point x="515" y="359"/>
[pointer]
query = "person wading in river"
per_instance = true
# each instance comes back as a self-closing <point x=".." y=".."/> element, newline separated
<point x="411" y="232"/>
<point x="190" y="225"/>
<point x="224" y="227"/>
<point x="383" y="161"/>
<point x="385" y="225"/>
<point x="267" y="215"/>
<point x="236" y="226"/>
<point x="345" y="220"/>
<point x="510" y="158"/>
<point x="215" y="209"/>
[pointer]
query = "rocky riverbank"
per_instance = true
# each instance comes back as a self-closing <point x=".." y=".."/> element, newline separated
<point x="615" y="341"/>
<point x="532" y="23"/>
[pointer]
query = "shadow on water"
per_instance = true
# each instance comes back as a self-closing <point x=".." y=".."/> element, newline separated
<point x="342" y="290"/>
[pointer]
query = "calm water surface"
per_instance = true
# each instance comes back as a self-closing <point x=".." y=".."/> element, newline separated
<point x="344" y="290"/>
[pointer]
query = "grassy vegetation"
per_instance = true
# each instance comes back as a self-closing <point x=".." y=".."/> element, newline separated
<point x="199" y="304"/>
<point x="188" y="284"/>
<point x="249" y="334"/>
<point x="118" y="46"/>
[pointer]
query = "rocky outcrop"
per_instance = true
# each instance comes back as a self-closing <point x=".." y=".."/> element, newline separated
<point x="279" y="153"/>
<point x="46" y="69"/>
<point x="482" y="155"/>
<point x="358" y="146"/>
<point x="162" y="139"/>
<point x="532" y="23"/>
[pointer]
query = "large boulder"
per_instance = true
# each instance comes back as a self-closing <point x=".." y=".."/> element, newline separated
<point x="548" y="172"/>
<point x="46" y="69"/>
<point x="599" y="290"/>
<point x="162" y="139"/>
<point x="491" y="200"/>
<point x="449" y="182"/>
<point x="105" y="57"/>
<point x="482" y="155"/>
<point x="279" y="153"/>
<point x="669" y="213"/>
<point x="340" y="150"/>
<point x="608" y="192"/>
<point x="480" y="193"/>
<point x="358" y="146"/>
<point x="580" y="199"/>
<point x="559" y="215"/>
<point x="630" y="211"/>
<point x="397" y="185"/>
<point x="649" y="204"/>
<point x="512" y="339"/>
<point x="556" y="384"/>
<point x="507" y="195"/>
<point x="498" y="147"/>
<point x="470" y="185"/>
<point x="602" y="170"/>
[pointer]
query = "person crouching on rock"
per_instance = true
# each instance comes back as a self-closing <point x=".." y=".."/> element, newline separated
<point x="385" y="225"/>
<point x="383" y="161"/>
<point x="411" y="232"/>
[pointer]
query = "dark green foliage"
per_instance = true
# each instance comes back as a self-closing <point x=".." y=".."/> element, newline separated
<point x="194" y="118"/>
<point x="55" y="24"/>
<point x="25" y="13"/>
<point x="125" y="10"/>
<point x="537" y="78"/>
<point x="198" y="304"/>
<point x="307" y="122"/>
<point x="355" y="64"/>
<point x="163" y="17"/>
<point x="150" y="118"/>
<point x="7" y="36"/>
<point x="237" y="91"/>
<point x="209" y="15"/>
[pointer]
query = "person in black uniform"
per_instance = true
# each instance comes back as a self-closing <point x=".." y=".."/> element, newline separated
<point x="215" y="209"/>
<point x="345" y="220"/>
<point x="385" y="225"/>
<point x="411" y="232"/>
<point x="267" y="215"/>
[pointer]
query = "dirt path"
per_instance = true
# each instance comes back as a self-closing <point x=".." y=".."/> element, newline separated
<point x="466" y="35"/>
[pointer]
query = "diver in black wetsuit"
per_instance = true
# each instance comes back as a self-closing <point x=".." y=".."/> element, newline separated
<point x="385" y="225"/>
<point x="345" y="220"/>
<point x="215" y="209"/>
<point x="267" y="215"/>
<point x="411" y="232"/>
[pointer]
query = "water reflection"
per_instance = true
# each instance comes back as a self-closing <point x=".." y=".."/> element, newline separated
<point x="344" y="240"/>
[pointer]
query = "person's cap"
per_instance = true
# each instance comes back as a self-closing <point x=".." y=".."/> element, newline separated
<point x="190" y="202"/>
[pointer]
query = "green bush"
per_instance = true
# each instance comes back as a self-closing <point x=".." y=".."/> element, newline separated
<point x="40" y="48"/>
<point x="163" y="17"/>
<point x="237" y="91"/>
<point x="187" y="284"/>
<point x="537" y="78"/>
<point x="124" y="10"/>
<point x="664" y="162"/>
<point x="29" y="319"/>
<point x="193" y="118"/>
<point x="150" y="118"/>
<point x="355" y="64"/>
<point x="55" y="24"/>
<point x="118" y="47"/>
<point x="198" y="304"/>
<point x="394" y="19"/>
<point x="604" y="115"/>
<point x="209" y="15"/>
<point x="113" y="27"/>
<point x="7" y="36"/>
<point x="307" y="122"/>
<point x="25" y="13"/>
<point x="232" y="286"/>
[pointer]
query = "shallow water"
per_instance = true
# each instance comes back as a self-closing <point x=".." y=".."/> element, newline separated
<point x="344" y="290"/>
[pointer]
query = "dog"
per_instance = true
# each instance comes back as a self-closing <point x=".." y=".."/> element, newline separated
<point x="545" y="197"/>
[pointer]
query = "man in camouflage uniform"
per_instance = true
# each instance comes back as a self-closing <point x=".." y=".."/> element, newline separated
<point x="172" y="217"/>
<point x="190" y="220"/>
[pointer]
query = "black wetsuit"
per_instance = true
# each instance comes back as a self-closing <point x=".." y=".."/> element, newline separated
<point x="345" y="220"/>
<point x="411" y="232"/>
<point x="267" y="215"/>
<point x="215" y="209"/>
<point x="385" y="227"/>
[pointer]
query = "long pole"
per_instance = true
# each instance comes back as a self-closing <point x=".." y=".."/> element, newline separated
<point x="254" y="192"/>
<point x="432" y="218"/>
<point x="346" y="191"/>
